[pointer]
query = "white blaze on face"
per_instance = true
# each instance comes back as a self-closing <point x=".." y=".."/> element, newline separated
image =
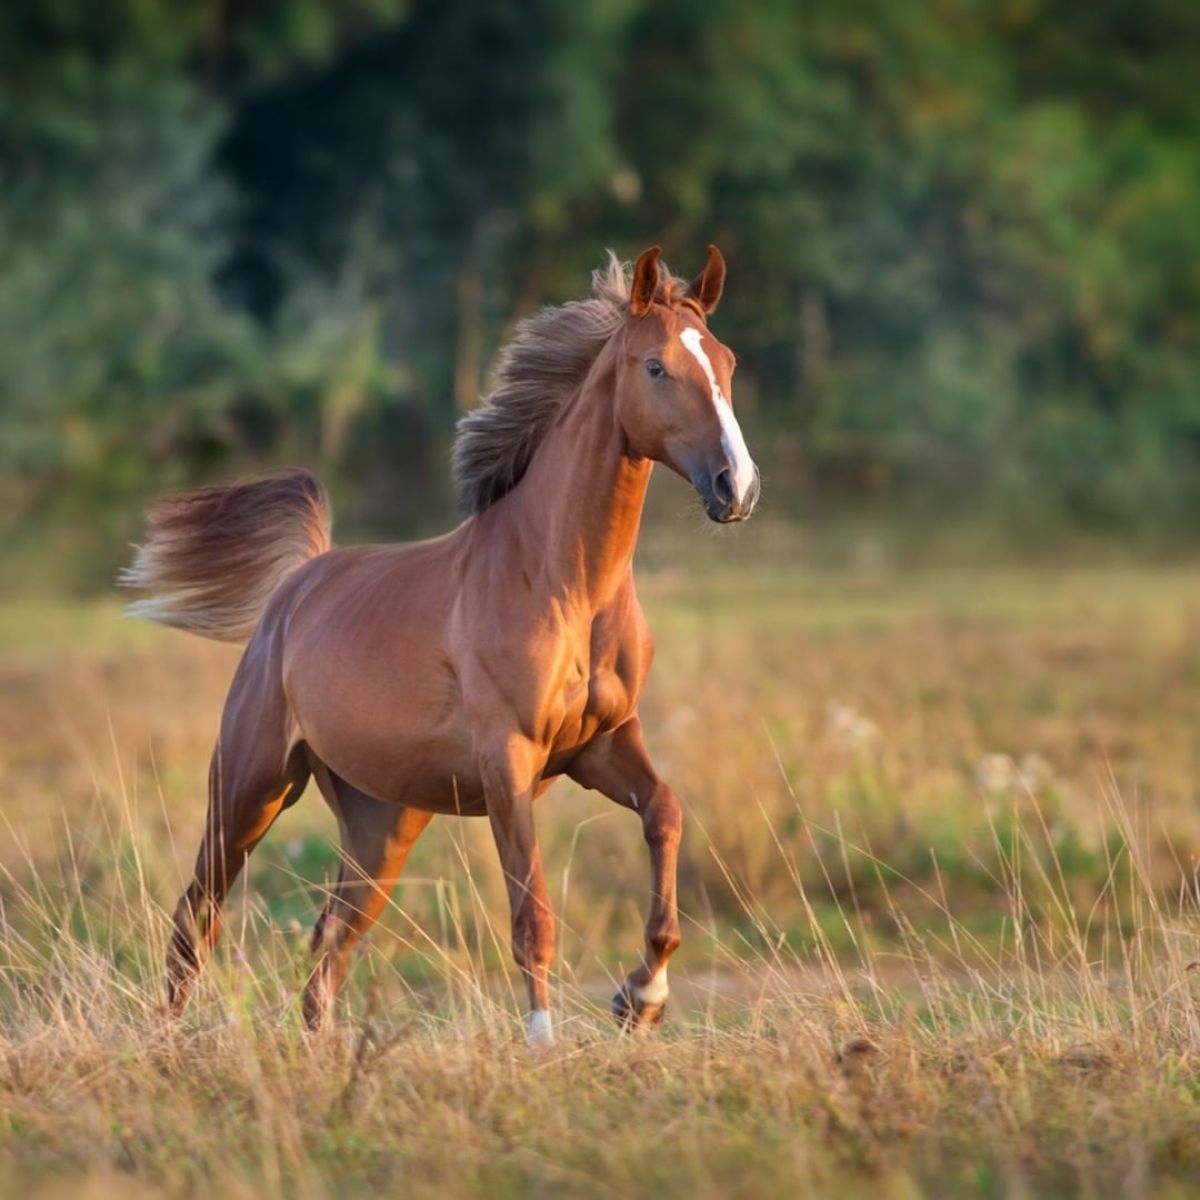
<point x="732" y="441"/>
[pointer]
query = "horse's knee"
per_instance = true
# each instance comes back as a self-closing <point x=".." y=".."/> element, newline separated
<point x="662" y="820"/>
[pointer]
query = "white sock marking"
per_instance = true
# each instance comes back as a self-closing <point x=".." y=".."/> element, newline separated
<point x="732" y="441"/>
<point x="654" y="992"/>
<point x="539" y="1032"/>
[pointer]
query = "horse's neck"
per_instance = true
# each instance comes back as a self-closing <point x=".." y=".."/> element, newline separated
<point x="581" y="499"/>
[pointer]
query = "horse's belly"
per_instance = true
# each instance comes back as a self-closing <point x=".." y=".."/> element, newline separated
<point x="415" y="753"/>
<point x="435" y="775"/>
<point x="390" y="722"/>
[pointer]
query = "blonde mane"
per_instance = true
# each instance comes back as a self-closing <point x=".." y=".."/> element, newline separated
<point x="548" y="357"/>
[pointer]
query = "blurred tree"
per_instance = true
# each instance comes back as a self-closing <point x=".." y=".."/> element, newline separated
<point x="456" y="139"/>
<point x="125" y="369"/>
<point x="964" y="236"/>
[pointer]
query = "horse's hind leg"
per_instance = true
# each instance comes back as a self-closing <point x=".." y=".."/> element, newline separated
<point x="251" y="780"/>
<point x="376" y="838"/>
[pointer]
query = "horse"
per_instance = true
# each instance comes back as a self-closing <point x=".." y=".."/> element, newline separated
<point x="461" y="675"/>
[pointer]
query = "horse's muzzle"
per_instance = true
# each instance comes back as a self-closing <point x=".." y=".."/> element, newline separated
<point x="722" y="505"/>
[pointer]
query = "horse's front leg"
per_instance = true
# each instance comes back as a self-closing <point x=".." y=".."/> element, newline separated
<point x="618" y="766"/>
<point x="510" y="776"/>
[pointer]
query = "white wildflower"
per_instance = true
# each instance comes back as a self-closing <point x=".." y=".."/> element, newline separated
<point x="1035" y="772"/>
<point x="850" y="729"/>
<point x="996" y="773"/>
<point x="1001" y="773"/>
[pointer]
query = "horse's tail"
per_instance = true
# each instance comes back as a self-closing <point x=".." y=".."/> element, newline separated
<point x="213" y="556"/>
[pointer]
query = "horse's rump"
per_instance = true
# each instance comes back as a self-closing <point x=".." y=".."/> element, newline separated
<point x="213" y="556"/>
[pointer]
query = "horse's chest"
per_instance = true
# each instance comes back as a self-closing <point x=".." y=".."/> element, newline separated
<point x="596" y="700"/>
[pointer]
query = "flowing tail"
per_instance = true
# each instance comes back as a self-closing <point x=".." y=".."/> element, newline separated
<point x="213" y="556"/>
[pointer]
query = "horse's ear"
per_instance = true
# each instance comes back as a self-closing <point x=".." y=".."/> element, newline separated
<point x="706" y="288"/>
<point x="645" y="281"/>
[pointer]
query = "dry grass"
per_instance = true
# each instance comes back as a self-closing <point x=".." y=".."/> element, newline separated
<point x="940" y="918"/>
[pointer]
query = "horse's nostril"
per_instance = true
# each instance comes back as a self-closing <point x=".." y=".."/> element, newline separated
<point x="723" y="486"/>
<point x="755" y="491"/>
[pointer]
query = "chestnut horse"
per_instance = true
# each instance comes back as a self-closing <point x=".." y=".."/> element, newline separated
<point x="463" y="674"/>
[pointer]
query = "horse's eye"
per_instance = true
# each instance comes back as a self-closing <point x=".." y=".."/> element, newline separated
<point x="655" y="369"/>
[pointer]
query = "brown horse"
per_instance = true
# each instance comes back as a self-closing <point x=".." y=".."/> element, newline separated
<point x="461" y="675"/>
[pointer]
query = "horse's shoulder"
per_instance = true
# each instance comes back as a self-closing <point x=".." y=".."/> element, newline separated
<point x="621" y="641"/>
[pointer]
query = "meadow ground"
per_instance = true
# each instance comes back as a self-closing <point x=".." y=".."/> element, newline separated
<point x="939" y="892"/>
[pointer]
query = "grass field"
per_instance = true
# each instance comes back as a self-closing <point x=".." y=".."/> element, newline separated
<point x="940" y="916"/>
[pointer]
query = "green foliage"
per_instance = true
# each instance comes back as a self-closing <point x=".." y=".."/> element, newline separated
<point x="963" y="237"/>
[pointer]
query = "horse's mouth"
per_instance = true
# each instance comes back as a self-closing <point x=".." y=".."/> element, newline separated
<point x="726" y="510"/>
<point x="722" y="515"/>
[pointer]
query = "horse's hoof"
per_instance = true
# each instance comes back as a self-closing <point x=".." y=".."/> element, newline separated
<point x="630" y="1014"/>
<point x="622" y="1011"/>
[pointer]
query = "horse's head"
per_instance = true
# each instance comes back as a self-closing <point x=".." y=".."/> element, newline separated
<point x="674" y="387"/>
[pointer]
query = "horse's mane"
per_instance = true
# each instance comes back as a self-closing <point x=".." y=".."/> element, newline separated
<point x="549" y="355"/>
